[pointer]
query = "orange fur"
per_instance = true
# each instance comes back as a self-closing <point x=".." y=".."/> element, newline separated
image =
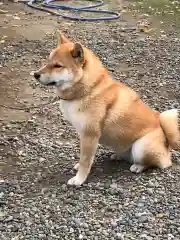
<point x="105" y="111"/>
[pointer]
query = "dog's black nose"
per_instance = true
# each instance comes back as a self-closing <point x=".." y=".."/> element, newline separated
<point x="37" y="75"/>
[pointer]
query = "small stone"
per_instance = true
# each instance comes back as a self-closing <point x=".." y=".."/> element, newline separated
<point x="85" y="225"/>
<point x="64" y="187"/>
<point x="2" y="214"/>
<point x="8" y="219"/>
<point x="16" y="18"/>
<point x="41" y="236"/>
<point x="143" y="219"/>
<point x="11" y="194"/>
<point x="21" y="153"/>
<point x="1" y="195"/>
<point x="80" y="236"/>
<point x="77" y="221"/>
<point x="170" y="236"/>
<point x="150" y="191"/>
<point x="120" y="236"/>
<point x="140" y="204"/>
<point x="42" y="159"/>
<point x="16" y="238"/>
<point x="114" y="224"/>
<point x="150" y="183"/>
<point x="114" y="186"/>
<point x="145" y="237"/>
<point x="71" y="230"/>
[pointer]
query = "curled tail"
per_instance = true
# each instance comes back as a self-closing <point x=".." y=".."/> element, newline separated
<point x="170" y="123"/>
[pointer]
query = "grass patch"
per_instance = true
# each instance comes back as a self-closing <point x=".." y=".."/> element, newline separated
<point x="158" y="7"/>
<point x="165" y="10"/>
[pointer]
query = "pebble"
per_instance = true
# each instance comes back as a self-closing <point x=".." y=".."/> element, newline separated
<point x="114" y="186"/>
<point x="80" y="236"/>
<point x="1" y="194"/>
<point x="114" y="224"/>
<point x="150" y="191"/>
<point x="120" y="236"/>
<point x="8" y="219"/>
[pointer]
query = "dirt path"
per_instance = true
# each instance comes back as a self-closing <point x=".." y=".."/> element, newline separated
<point x="38" y="148"/>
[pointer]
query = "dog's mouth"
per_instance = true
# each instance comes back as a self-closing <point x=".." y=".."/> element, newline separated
<point x="51" y="84"/>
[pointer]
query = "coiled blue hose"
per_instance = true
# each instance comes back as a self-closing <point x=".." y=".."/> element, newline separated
<point x="49" y="4"/>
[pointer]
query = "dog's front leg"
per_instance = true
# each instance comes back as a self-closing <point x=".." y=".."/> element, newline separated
<point x="88" y="147"/>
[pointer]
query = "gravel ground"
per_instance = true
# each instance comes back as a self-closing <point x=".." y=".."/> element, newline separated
<point x="38" y="148"/>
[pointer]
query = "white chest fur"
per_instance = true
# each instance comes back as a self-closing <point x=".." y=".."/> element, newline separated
<point x="72" y="113"/>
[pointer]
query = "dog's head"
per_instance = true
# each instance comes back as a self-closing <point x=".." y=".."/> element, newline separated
<point x="65" y="65"/>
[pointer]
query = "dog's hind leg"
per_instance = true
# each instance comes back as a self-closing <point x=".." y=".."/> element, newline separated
<point x="151" y="150"/>
<point x="137" y="156"/>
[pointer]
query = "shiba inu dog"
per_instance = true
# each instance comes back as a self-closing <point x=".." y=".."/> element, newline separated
<point x="108" y="112"/>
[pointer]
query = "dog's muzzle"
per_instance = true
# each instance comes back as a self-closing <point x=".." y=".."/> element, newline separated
<point x="37" y="77"/>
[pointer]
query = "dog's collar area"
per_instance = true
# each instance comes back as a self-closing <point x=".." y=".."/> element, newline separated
<point x="79" y="91"/>
<point x="84" y="64"/>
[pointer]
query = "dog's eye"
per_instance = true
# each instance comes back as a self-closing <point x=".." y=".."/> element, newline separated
<point x="57" y="66"/>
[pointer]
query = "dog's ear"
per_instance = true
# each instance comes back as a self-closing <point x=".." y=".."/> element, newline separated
<point x="62" y="39"/>
<point x="78" y="52"/>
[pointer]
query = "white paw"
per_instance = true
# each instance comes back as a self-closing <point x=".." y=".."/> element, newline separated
<point x="75" y="181"/>
<point x="137" y="168"/>
<point x="76" y="166"/>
